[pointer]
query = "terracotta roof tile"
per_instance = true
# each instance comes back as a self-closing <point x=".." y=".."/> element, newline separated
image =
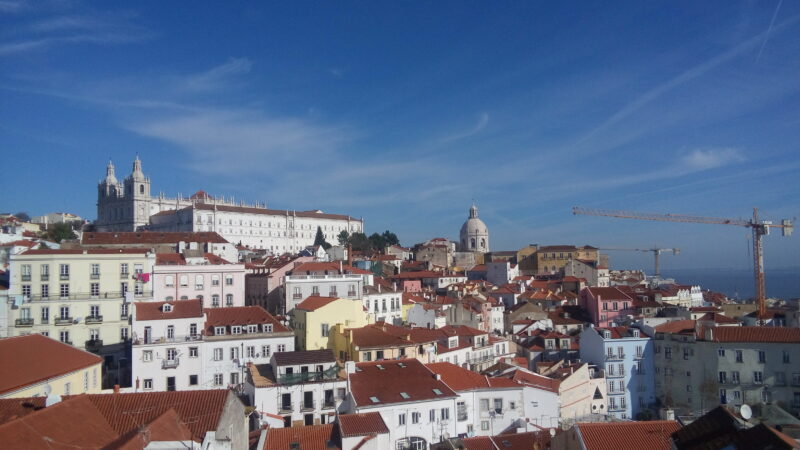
<point x="609" y="293"/>
<point x="315" y="302"/>
<point x="361" y="424"/>
<point x="178" y="259"/>
<point x="301" y="357"/>
<point x="241" y="315"/>
<point x="677" y="326"/>
<point x="26" y="360"/>
<point x="755" y="334"/>
<point x="536" y="380"/>
<point x="375" y="383"/>
<point x="150" y="237"/>
<point x="181" y="309"/>
<point x="311" y="437"/>
<point x="652" y="435"/>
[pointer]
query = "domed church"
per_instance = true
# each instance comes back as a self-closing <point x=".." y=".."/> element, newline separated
<point x="474" y="233"/>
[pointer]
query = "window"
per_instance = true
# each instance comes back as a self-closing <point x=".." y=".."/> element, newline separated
<point x="229" y="280"/>
<point x="123" y="310"/>
<point x="281" y="347"/>
<point x="26" y="290"/>
<point x="723" y="377"/>
<point x="786" y="357"/>
<point x="215" y="280"/>
<point x="266" y="350"/>
<point x="215" y="300"/>
<point x="169" y="281"/>
<point x="217" y="354"/>
<point x="325" y="330"/>
<point x="667" y="352"/>
<point x="198" y="282"/>
<point x="432" y="415"/>
<point x="738" y="354"/>
<point x="170" y="332"/>
<point x="498" y="405"/>
<point x="45" y="314"/>
<point x="63" y="271"/>
<point x="250" y="351"/>
<point x="735" y="377"/>
<point x="138" y="288"/>
<point x="95" y="289"/>
<point x="45" y="291"/>
<point x="95" y="271"/>
<point x="367" y="356"/>
<point x="415" y="416"/>
<point x="780" y="378"/>
<point x="236" y="329"/>
<point x="123" y="269"/>
<point x="147" y="355"/>
<point x="217" y="379"/>
<point x="64" y="313"/>
<point x="192" y="352"/>
<point x="219" y="331"/>
<point x="721" y="352"/>
<point x="123" y="333"/>
<point x="401" y="419"/>
<point x="758" y="377"/>
<point x="193" y="329"/>
<point x="762" y="356"/>
<point x="234" y="353"/>
<point x="228" y="299"/>
<point x="123" y="288"/>
<point x="64" y="290"/>
<point x="445" y="414"/>
<point x="192" y="380"/>
<point x="484" y="425"/>
<point x="67" y="388"/>
<point x="184" y="280"/>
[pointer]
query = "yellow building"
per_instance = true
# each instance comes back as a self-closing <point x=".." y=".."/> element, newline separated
<point x="81" y="297"/>
<point x="552" y="259"/>
<point x="35" y="365"/>
<point x="315" y="317"/>
<point x="383" y="341"/>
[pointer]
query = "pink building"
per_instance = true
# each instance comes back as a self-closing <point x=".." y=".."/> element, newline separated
<point x="217" y="282"/>
<point x="605" y="304"/>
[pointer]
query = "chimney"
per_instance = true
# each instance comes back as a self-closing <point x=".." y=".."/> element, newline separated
<point x="116" y="389"/>
<point x="379" y="288"/>
<point x="437" y="377"/>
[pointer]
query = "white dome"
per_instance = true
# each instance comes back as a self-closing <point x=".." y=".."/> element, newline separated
<point x="474" y="233"/>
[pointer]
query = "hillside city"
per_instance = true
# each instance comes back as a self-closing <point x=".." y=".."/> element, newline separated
<point x="206" y="322"/>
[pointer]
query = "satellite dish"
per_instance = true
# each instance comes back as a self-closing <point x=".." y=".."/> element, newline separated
<point x="47" y="390"/>
<point x="746" y="412"/>
<point x="552" y="432"/>
<point x="446" y="435"/>
<point x="52" y="399"/>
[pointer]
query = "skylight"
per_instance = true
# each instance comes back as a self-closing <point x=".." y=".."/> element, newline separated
<point x="380" y="367"/>
<point x="404" y="395"/>
<point x="401" y="365"/>
<point x="437" y="392"/>
<point x="374" y="400"/>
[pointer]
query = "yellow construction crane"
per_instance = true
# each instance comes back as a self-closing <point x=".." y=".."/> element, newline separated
<point x="759" y="227"/>
<point x="655" y="251"/>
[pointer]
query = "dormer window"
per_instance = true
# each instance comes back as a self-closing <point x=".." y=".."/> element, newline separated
<point x="267" y="328"/>
<point x="636" y="333"/>
<point x="166" y="308"/>
<point x="252" y="328"/>
<point x="606" y="334"/>
<point x="236" y="329"/>
<point x="219" y="331"/>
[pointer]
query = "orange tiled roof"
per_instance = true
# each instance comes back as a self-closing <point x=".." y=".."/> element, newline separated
<point x="375" y="383"/>
<point x="178" y="259"/>
<point x="756" y="334"/>
<point x="652" y="435"/>
<point x="361" y="424"/>
<point x="241" y="315"/>
<point x="26" y="360"/>
<point x="181" y="309"/>
<point x="315" y="302"/>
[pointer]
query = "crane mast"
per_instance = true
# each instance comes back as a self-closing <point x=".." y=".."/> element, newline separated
<point x="759" y="228"/>
<point x="655" y="251"/>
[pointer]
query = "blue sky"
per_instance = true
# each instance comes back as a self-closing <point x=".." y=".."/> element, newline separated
<point x="404" y="112"/>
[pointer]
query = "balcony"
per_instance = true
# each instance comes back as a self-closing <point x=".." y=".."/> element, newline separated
<point x="26" y="277"/>
<point x="638" y="356"/>
<point x="170" y="363"/>
<point x="307" y="406"/>
<point x="124" y="316"/>
<point x="615" y="374"/>
<point x="297" y="296"/>
<point x="613" y="357"/>
<point x="351" y="293"/>
<point x="461" y="413"/>
<point x="166" y="340"/>
<point x="44" y="277"/>
<point x="124" y="275"/>
<point x="198" y="287"/>
<point x="26" y="322"/>
<point x="285" y="408"/>
<point x="63" y="277"/>
<point x="94" y="345"/>
<point x="308" y="377"/>
<point x="44" y="320"/>
<point x="63" y="321"/>
<point x="328" y="404"/>
<point x="616" y="408"/>
<point x="94" y="276"/>
<point x="94" y="319"/>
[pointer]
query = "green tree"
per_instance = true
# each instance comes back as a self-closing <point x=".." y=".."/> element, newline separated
<point x="376" y="242"/>
<point x="390" y="239"/>
<point x="319" y="239"/>
<point x="60" y="231"/>
<point x="359" y="242"/>
<point x="343" y="237"/>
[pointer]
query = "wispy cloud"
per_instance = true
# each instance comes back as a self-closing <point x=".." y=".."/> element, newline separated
<point x="216" y="77"/>
<point x="75" y="28"/>
<point x="769" y="30"/>
<point x="483" y="120"/>
<point x="711" y="158"/>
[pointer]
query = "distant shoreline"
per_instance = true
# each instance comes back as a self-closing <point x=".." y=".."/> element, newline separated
<point x="738" y="283"/>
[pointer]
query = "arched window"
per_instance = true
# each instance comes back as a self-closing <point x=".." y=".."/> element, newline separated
<point x="183" y="297"/>
<point x="198" y="282"/>
<point x="169" y="281"/>
<point x="472" y="243"/>
<point x="170" y="298"/>
<point x="215" y="300"/>
<point x="483" y="242"/>
<point x="141" y="189"/>
<point x="184" y="280"/>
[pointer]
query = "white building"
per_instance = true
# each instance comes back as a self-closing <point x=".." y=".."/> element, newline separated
<point x="485" y="406"/>
<point x="296" y="388"/>
<point x="501" y="272"/>
<point x="419" y="410"/>
<point x="329" y="279"/>
<point x="194" y="274"/>
<point x="128" y="206"/>
<point x="180" y="346"/>
<point x="385" y="305"/>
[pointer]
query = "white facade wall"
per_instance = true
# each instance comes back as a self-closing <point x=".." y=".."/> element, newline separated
<point x="432" y="425"/>
<point x="159" y="360"/>
<point x="269" y="400"/>
<point x="235" y="355"/>
<point x="300" y="287"/>
<point x="541" y="407"/>
<point x="487" y="412"/>
<point x="385" y="306"/>
<point x="500" y="273"/>
<point x="217" y="284"/>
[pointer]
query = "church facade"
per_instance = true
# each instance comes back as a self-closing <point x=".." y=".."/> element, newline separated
<point x="129" y="206"/>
